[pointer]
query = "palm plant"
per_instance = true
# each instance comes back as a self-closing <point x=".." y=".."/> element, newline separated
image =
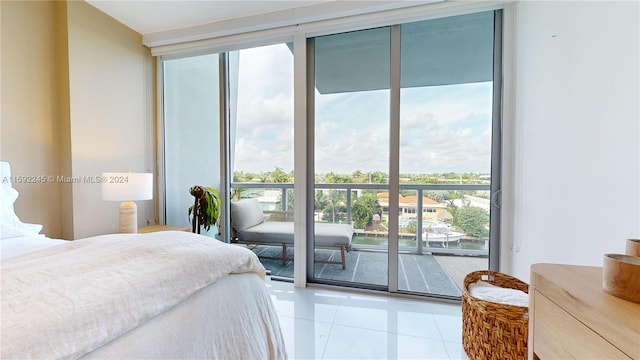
<point x="205" y="209"/>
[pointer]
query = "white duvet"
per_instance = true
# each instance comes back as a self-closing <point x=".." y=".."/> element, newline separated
<point x="56" y="304"/>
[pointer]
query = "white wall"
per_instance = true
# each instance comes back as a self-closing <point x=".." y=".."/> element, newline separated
<point x="577" y="133"/>
<point x="111" y="116"/>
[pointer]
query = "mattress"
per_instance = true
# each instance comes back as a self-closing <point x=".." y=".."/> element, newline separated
<point x="278" y="232"/>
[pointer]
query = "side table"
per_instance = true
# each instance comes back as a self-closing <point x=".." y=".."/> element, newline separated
<point x="156" y="228"/>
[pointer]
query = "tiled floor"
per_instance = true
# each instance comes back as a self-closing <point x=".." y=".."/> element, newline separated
<point x="320" y="323"/>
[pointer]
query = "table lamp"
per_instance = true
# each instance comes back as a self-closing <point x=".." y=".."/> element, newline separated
<point x="127" y="187"/>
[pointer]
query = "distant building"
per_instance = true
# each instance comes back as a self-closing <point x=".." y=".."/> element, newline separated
<point x="431" y="209"/>
<point x="269" y="199"/>
<point x="473" y="201"/>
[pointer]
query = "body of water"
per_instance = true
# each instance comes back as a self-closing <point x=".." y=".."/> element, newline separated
<point x="469" y="244"/>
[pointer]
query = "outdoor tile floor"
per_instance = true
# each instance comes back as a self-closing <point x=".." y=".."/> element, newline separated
<point x="439" y="275"/>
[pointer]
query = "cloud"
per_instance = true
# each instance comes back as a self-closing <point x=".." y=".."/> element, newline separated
<point x="442" y="128"/>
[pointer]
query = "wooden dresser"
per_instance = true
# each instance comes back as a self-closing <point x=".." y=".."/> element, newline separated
<point x="571" y="317"/>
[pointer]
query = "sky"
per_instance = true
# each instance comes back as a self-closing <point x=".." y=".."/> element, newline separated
<point x="442" y="128"/>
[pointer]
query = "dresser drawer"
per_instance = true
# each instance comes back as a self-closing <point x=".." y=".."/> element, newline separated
<point x="558" y="335"/>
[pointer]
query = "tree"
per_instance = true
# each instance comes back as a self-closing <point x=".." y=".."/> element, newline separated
<point x="364" y="208"/>
<point x="290" y="200"/>
<point x="333" y="178"/>
<point x="335" y="203"/>
<point x="359" y="177"/>
<point x="320" y="201"/>
<point x="438" y="195"/>
<point x="279" y="176"/>
<point x="412" y="227"/>
<point x="472" y="220"/>
<point x="241" y="176"/>
<point x="378" y="177"/>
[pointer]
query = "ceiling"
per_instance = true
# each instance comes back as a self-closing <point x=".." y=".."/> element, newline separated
<point x="168" y="22"/>
<point x="156" y="16"/>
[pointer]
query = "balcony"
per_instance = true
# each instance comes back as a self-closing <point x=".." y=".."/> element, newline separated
<point x="421" y="238"/>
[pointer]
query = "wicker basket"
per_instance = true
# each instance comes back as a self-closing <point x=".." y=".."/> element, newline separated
<point x="491" y="330"/>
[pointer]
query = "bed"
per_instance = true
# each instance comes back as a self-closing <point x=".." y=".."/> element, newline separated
<point x="251" y="226"/>
<point x="161" y="295"/>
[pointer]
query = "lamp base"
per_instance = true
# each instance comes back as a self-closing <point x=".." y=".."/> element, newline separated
<point x="128" y="217"/>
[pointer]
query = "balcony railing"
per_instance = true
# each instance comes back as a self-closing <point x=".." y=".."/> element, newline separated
<point x="285" y="213"/>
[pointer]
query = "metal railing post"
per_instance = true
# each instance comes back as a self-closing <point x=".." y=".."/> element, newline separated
<point x="284" y="201"/>
<point x="419" y="222"/>
<point x="348" y="204"/>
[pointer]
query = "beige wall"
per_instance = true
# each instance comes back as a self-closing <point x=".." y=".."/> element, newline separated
<point x="31" y="112"/>
<point x="76" y="101"/>
<point x="110" y="78"/>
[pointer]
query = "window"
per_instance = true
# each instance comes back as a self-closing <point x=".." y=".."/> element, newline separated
<point x="191" y="132"/>
<point x="402" y="119"/>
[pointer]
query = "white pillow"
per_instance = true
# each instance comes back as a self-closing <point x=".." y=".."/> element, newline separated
<point x="18" y="229"/>
<point x="8" y="196"/>
<point x="10" y="224"/>
<point x="245" y="214"/>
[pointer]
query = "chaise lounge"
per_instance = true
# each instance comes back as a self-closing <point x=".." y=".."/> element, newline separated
<point x="250" y="226"/>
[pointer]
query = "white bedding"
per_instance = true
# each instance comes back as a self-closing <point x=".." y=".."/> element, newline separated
<point x="21" y="245"/>
<point x="159" y="295"/>
<point x="231" y="319"/>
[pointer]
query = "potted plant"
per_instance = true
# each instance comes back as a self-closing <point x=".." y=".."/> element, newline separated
<point x="205" y="209"/>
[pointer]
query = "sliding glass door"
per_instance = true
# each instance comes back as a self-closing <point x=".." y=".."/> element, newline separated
<point x="261" y="140"/>
<point x="351" y="134"/>
<point x="404" y="133"/>
<point x="403" y="144"/>
<point x="446" y="121"/>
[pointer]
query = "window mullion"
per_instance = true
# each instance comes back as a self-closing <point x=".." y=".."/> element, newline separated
<point x="394" y="157"/>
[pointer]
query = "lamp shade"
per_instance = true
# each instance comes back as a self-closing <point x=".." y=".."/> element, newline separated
<point x="123" y="186"/>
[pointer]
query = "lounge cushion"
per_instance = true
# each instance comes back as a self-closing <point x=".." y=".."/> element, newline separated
<point x="277" y="232"/>
<point x="245" y="214"/>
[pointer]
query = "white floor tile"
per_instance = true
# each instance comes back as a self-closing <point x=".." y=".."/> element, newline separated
<point x="304" y="339"/>
<point x="450" y="327"/>
<point x="410" y="347"/>
<point x="306" y="304"/>
<point x="363" y="317"/>
<point x="390" y="318"/>
<point x="417" y="324"/>
<point x="328" y="324"/>
<point x="440" y="308"/>
<point x="456" y="351"/>
<point x="347" y="342"/>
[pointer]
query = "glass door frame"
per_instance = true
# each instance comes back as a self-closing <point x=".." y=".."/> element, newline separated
<point x="394" y="160"/>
